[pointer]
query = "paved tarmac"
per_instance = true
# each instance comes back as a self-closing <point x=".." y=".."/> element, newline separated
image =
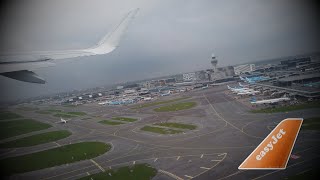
<point x="226" y="134"/>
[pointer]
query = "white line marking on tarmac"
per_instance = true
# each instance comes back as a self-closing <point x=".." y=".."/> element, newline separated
<point x="155" y="159"/>
<point x="170" y="174"/>
<point x="201" y="156"/>
<point x="57" y="144"/>
<point x="188" y="176"/>
<point x="134" y="162"/>
<point x="205" y="168"/>
<point x="222" y="154"/>
<point x="88" y="173"/>
<point x="304" y="171"/>
<point x="95" y="163"/>
<point x="178" y="157"/>
<point x="215" y="160"/>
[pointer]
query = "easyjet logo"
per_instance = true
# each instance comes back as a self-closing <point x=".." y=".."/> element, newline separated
<point x="274" y="151"/>
<point x="269" y="146"/>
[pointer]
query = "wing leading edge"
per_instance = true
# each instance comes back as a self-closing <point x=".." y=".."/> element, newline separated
<point x="23" y="64"/>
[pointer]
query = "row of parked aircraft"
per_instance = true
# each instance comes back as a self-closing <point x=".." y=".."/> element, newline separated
<point x="242" y="90"/>
<point x="245" y="90"/>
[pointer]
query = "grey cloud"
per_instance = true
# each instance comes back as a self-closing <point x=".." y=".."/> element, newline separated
<point x="166" y="37"/>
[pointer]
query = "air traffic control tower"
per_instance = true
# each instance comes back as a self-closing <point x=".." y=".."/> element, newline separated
<point x="214" y="63"/>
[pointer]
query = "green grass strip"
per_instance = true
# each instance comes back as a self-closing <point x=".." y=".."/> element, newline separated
<point x="288" y="108"/>
<point x="176" y="107"/>
<point x="8" y="115"/>
<point x="43" y="112"/>
<point x="54" y="110"/>
<point x="53" y="157"/>
<point x="160" y="130"/>
<point x="25" y="108"/>
<point x="36" y="139"/>
<point x="137" y="171"/>
<point x="18" y="127"/>
<point x="177" y="125"/>
<point x="124" y="119"/>
<point x="157" y="103"/>
<point x="107" y="122"/>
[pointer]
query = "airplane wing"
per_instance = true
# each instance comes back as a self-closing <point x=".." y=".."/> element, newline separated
<point x="20" y="66"/>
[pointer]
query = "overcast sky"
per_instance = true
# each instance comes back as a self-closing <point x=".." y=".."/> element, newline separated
<point x="166" y="37"/>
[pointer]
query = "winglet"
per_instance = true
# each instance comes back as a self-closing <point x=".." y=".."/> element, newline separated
<point x="111" y="40"/>
<point x="274" y="151"/>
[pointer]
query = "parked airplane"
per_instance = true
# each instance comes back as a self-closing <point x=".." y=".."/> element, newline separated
<point x="20" y="66"/>
<point x="166" y="94"/>
<point x="269" y="101"/>
<point x="205" y="87"/>
<point x="238" y="89"/>
<point x="249" y="92"/>
<point x="243" y="86"/>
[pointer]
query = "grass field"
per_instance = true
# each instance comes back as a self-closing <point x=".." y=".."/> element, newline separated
<point x="107" y="122"/>
<point x="36" y="139"/>
<point x="288" y="108"/>
<point x="138" y="172"/>
<point x="18" y="127"/>
<point x="43" y="112"/>
<point x="25" y="108"/>
<point x="8" y="115"/>
<point x="124" y="119"/>
<point x="53" y="157"/>
<point x="176" y="107"/>
<point x="311" y="124"/>
<point x="160" y="130"/>
<point x="54" y="110"/>
<point x="157" y="103"/>
<point x="177" y="125"/>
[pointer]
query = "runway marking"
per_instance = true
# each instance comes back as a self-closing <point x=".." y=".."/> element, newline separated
<point x="155" y="159"/>
<point x="170" y="174"/>
<point x="215" y="160"/>
<point x="304" y="171"/>
<point x="95" y="163"/>
<point x="188" y="176"/>
<point x="57" y="144"/>
<point x="134" y="162"/>
<point x="202" y="156"/>
<point x="205" y="168"/>
<point x="225" y="155"/>
<point x="178" y="157"/>
<point x="88" y="173"/>
<point x="222" y="154"/>
<point x="217" y="114"/>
